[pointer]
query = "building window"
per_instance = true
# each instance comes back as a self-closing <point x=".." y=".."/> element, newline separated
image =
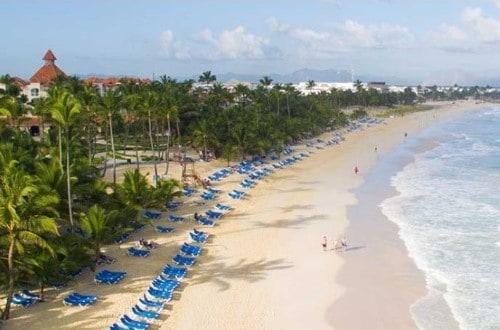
<point x="35" y="92"/>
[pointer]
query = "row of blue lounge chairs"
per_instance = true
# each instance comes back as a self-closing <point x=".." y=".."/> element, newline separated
<point x="149" y="306"/>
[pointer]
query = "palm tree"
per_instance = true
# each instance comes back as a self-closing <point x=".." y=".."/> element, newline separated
<point x="150" y="104"/>
<point x="65" y="112"/>
<point x="310" y="85"/>
<point x="110" y="103"/>
<point x="134" y="191"/>
<point x="11" y="88"/>
<point x="97" y="223"/>
<point x="207" y="77"/>
<point x="88" y="98"/>
<point x="25" y="216"/>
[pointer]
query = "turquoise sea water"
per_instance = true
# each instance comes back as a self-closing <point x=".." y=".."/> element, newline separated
<point x="447" y="207"/>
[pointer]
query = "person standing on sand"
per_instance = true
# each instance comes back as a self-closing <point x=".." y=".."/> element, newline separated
<point x="335" y="245"/>
<point x="356" y="170"/>
<point x="343" y="242"/>
<point x="324" y="243"/>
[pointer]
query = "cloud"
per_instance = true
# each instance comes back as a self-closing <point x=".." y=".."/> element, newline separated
<point x="475" y="32"/>
<point x="450" y="38"/>
<point x="205" y="44"/>
<point x="347" y="37"/>
<point x="485" y="29"/>
<point x="172" y="48"/>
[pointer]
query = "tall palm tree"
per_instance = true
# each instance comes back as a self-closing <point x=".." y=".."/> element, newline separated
<point x="88" y="98"/>
<point x="150" y="105"/>
<point x="65" y="112"/>
<point x="25" y="216"/>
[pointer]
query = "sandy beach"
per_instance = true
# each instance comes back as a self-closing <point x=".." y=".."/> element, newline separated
<point x="263" y="266"/>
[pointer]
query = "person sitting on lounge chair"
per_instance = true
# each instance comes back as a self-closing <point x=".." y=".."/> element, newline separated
<point x="147" y="244"/>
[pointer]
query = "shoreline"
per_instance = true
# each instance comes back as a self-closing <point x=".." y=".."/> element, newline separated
<point x="264" y="267"/>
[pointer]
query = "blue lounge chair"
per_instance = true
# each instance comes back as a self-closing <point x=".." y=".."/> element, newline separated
<point x="214" y="214"/>
<point x="116" y="326"/>
<point x="160" y="294"/>
<point x="214" y="191"/>
<point x="162" y="229"/>
<point x="76" y="299"/>
<point x="144" y="314"/>
<point x="208" y="196"/>
<point x="190" y="250"/>
<point x="29" y="295"/>
<point x="236" y="194"/>
<point x="151" y="304"/>
<point x="152" y="215"/>
<point x="122" y="238"/>
<point x="183" y="261"/>
<point x="175" y="218"/>
<point x="134" y="324"/>
<point x="174" y="272"/>
<point x="138" y="253"/>
<point x="198" y="238"/>
<point x="206" y="222"/>
<point x="223" y="207"/>
<point x="109" y="277"/>
<point x="164" y="284"/>
<point x="23" y="301"/>
<point x="173" y="205"/>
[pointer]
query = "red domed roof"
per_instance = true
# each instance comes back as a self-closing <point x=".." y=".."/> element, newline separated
<point x="48" y="71"/>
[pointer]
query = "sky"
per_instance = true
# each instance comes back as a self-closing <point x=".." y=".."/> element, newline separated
<point x="424" y="42"/>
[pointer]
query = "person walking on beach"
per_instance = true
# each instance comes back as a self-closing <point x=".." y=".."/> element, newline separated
<point x="356" y="170"/>
<point x="335" y="245"/>
<point x="343" y="242"/>
<point x="324" y="243"/>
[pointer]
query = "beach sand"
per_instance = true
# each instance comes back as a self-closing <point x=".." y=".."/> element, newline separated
<point x="264" y="267"/>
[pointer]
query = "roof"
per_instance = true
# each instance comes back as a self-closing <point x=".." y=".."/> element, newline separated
<point x="48" y="71"/>
<point x="114" y="81"/>
<point x="49" y="56"/>
<point x="46" y="74"/>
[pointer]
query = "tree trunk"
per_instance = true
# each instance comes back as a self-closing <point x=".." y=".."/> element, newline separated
<point x="112" y="145"/>
<point x="152" y="146"/>
<point x="68" y="185"/>
<point x="10" y="265"/>
<point x="167" y="158"/>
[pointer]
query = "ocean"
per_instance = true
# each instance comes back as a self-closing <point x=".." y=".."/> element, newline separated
<point x="447" y="208"/>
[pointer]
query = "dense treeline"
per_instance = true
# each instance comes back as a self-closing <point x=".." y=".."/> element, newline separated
<point x="56" y="211"/>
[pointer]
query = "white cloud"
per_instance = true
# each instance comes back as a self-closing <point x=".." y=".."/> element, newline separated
<point x="238" y="43"/>
<point x="450" y="37"/>
<point x="172" y="48"/>
<point x="347" y="37"/>
<point x="485" y="29"/>
<point x="475" y="32"/>
<point x="229" y="44"/>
